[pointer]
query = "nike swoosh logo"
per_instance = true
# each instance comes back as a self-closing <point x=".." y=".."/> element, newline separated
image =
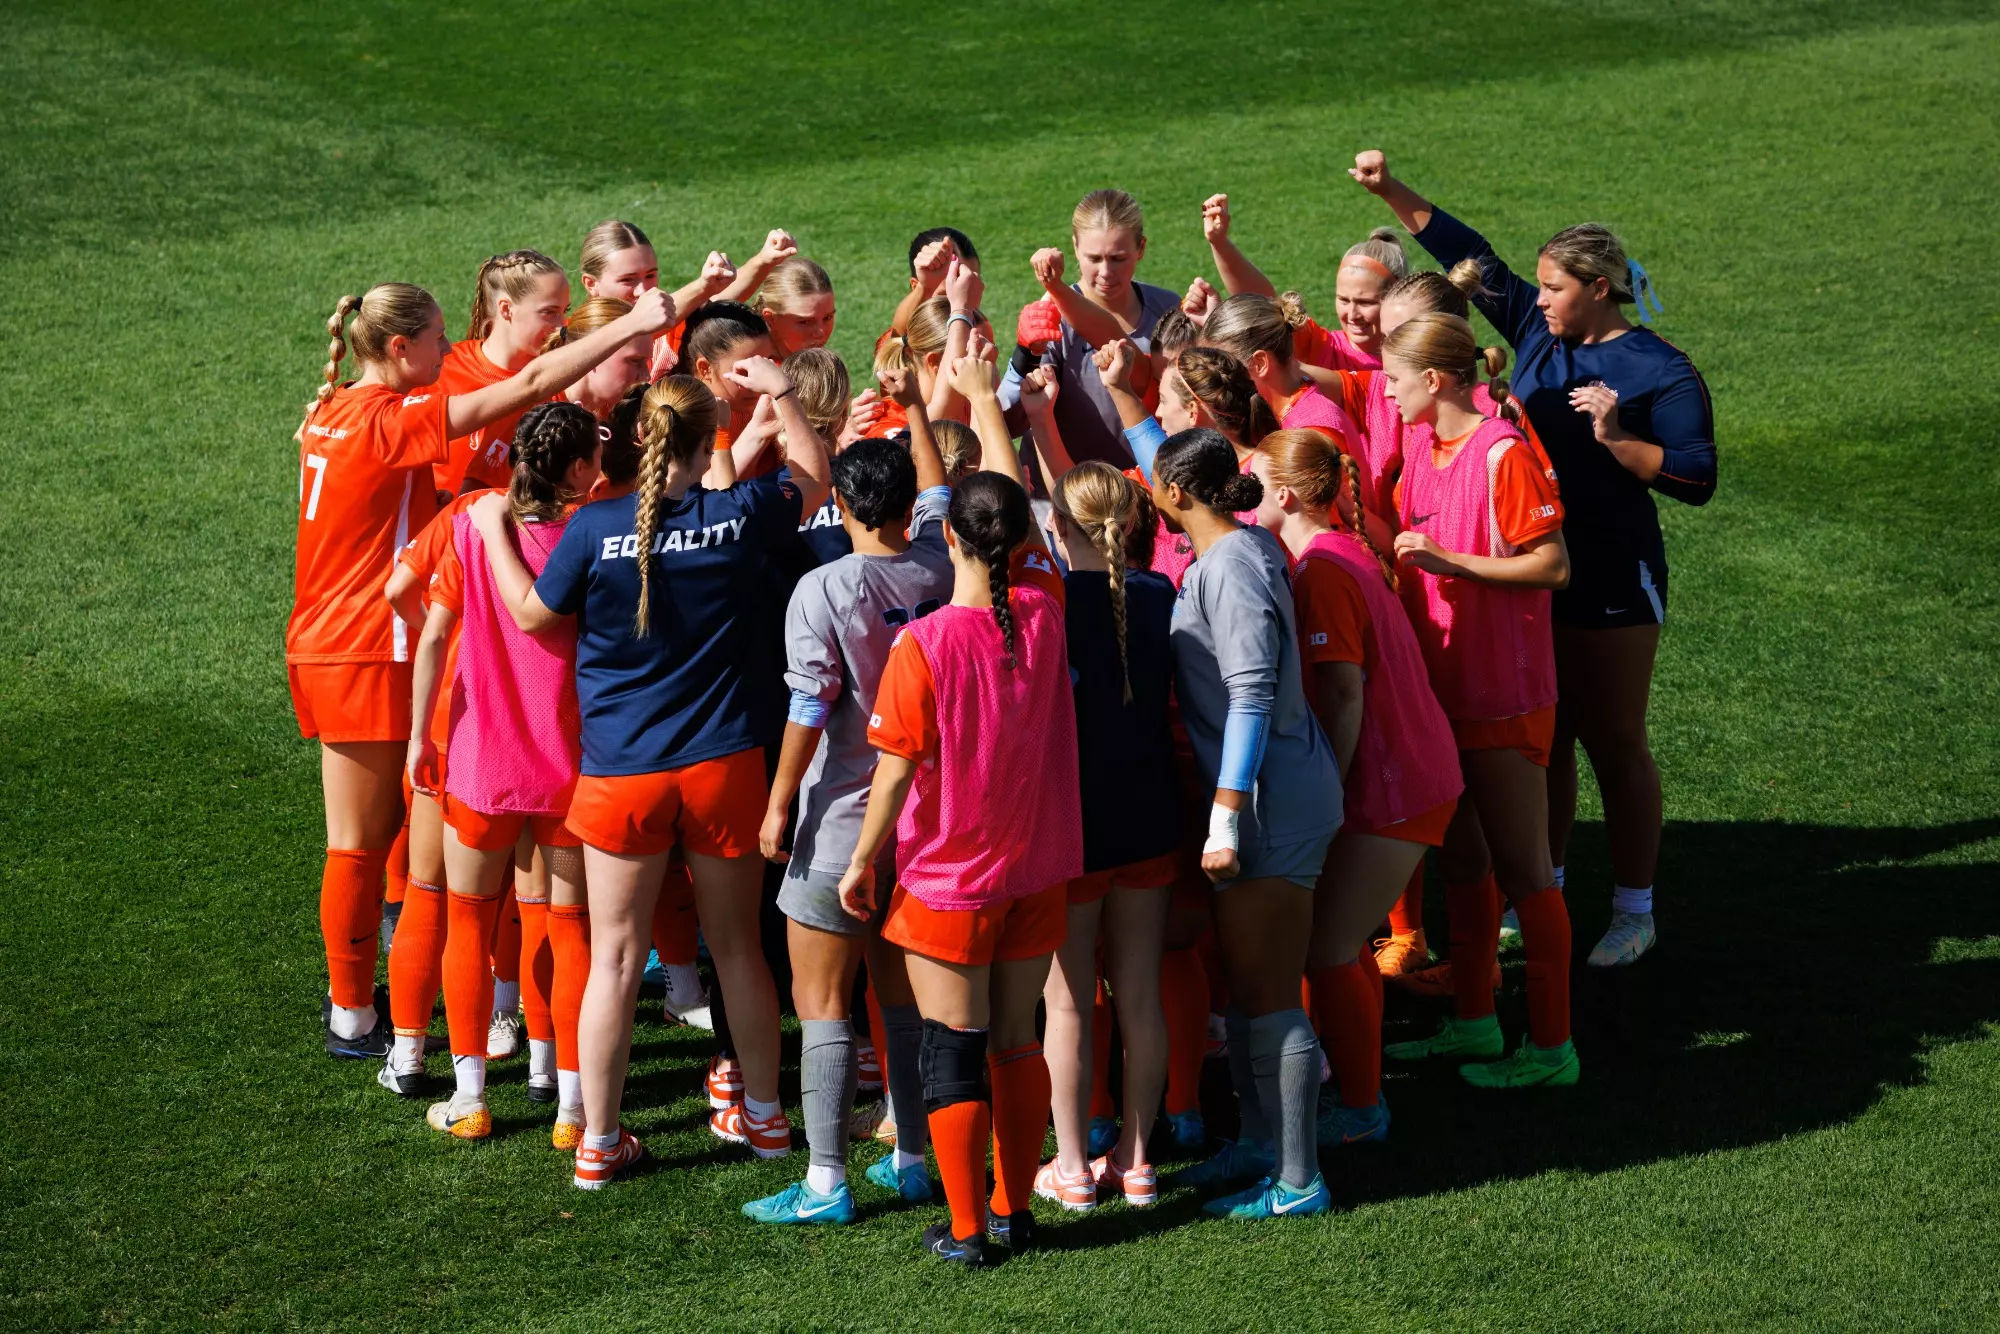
<point x="1616" y="611"/>
<point x="1423" y="518"/>
<point x="815" y="1213"/>
<point x="1287" y="1208"/>
<point x="358" y="939"/>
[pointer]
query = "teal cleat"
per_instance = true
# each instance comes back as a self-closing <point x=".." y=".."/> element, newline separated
<point x="1189" y="1131"/>
<point x="1354" y="1125"/>
<point x="1103" y="1135"/>
<point x="1478" y="1038"/>
<point x="1529" y="1067"/>
<point x="1237" y="1160"/>
<point x="912" y="1183"/>
<point x="1271" y="1198"/>
<point x="800" y="1203"/>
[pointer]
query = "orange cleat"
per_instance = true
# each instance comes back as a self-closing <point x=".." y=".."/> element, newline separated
<point x="1436" y="980"/>
<point x="1396" y="955"/>
<point x="567" y="1135"/>
<point x="469" y="1121"/>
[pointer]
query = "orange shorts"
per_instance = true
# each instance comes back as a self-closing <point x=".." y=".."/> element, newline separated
<point x="1533" y="734"/>
<point x="1153" y="873"/>
<point x="1427" y="828"/>
<point x="351" y="701"/>
<point x="491" y="833"/>
<point x="1023" y="928"/>
<point x="713" y="808"/>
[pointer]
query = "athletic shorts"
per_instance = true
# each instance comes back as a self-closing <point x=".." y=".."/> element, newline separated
<point x="1004" y="932"/>
<point x="1612" y="591"/>
<point x="1427" y="828"/>
<point x="713" y="808"/>
<point x="351" y="701"/>
<point x="1153" y="873"/>
<point x="491" y="833"/>
<point x="811" y="897"/>
<point x="1533" y="734"/>
<point x="1299" y="862"/>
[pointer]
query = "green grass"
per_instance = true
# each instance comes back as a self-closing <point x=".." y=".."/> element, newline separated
<point x="1786" y="1117"/>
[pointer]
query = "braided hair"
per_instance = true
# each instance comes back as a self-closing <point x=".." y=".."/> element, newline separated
<point x="1218" y="381"/>
<point x="1350" y="486"/>
<point x="1102" y="502"/>
<point x="676" y="423"/>
<point x="990" y="517"/>
<point x="1203" y="463"/>
<point x="385" y="311"/>
<point x="620" y="433"/>
<point x="511" y="275"/>
<point x="549" y="438"/>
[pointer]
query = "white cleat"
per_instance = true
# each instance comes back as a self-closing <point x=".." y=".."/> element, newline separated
<point x="1630" y="935"/>
<point x="695" y="1016"/>
<point x="503" y="1037"/>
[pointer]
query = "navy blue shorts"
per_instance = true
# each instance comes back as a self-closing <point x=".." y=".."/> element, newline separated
<point x="1612" y="591"/>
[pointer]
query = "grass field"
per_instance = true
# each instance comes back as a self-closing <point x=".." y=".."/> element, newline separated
<point x="1787" y="1115"/>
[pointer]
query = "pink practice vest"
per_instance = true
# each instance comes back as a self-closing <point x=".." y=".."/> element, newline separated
<point x="516" y="734"/>
<point x="1385" y="438"/>
<point x="1489" y="649"/>
<point x="1405" y="761"/>
<point x="998" y="814"/>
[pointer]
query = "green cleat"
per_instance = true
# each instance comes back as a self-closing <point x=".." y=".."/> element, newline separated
<point x="1529" y="1066"/>
<point x="1455" y="1037"/>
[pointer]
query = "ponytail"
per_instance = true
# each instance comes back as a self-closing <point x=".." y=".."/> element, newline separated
<point x="989" y="516"/>
<point x="1100" y="501"/>
<point x="1350" y="486"/>
<point x="385" y="311"/>
<point x="676" y="420"/>
<point x="1202" y="463"/>
<point x="336" y="348"/>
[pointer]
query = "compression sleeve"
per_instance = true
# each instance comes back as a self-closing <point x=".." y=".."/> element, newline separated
<point x="808" y="711"/>
<point x="1683" y="426"/>
<point x="1511" y="307"/>
<point x="1244" y="734"/>
<point x="1145" y="440"/>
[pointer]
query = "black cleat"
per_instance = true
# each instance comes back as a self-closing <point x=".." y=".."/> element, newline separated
<point x="373" y="1045"/>
<point x="971" y="1253"/>
<point x="413" y="1084"/>
<point x="390" y="913"/>
<point x="541" y="1092"/>
<point x="1015" y="1231"/>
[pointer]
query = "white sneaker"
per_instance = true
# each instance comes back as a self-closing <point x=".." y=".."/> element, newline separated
<point x="1630" y="935"/>
<point x="866" y="1121"/>
<point x="503" y="1037"/>
<point x="695" y="1016"/>
<point x="1510" y="930"/>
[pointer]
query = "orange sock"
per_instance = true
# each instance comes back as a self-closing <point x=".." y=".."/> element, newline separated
<point x="1306" y="1003"/>
<point x="959" y="1135"/>
<point x="1475" y="943"/>
<point x="538" y="967"/>
<point x="416" y="965"/>
<point x="350" y="922"/>
<point x="569" y="951"/>
<point x="1545" y="940"/>
<point x="1101" y="1105"/>
<point x="674" y="921"/>
<point x="507" y="939"/>
<point x="1406" y="915"/>
<point x="1350" y="1026"/>
<point x="399" y="864"/>
<point x="1020" y="1124"/>
<point x="468" y="972"/>
<point x="1184" y="995"/>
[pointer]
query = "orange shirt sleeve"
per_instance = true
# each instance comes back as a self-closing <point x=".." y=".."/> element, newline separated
<point x="1034" y="567"/>
<point x="410" y="430"/>
<point x="905" y="719"/>
<point x="448" y="581"/>
<point x="1524" y="498"/>
<point x="1334" y="625"/>
<point x="1312" y="344"/>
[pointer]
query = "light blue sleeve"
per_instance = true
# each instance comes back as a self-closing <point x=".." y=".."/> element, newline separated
<point x="1145" y="440"/>
<point x="807" y="710"/>
<point x="1245" y="732"/>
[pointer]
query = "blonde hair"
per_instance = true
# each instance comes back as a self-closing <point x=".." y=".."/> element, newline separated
<point x="928" y="331"/>
<point x="1446" y="344"/>
<point x="384" y="311"/>
<point x="1384" y="247"/>
<point x="1589" y="251"/>
<point x="1248" y="322"/>
<point x="676" y="423"/>
<point x="958" y="446"/>
<point x="588" y="318"/>
<point x="1099" y="501"/>
<point x="1108" y="211"/>
<point x="1310" y="464"/>
<point x="793" y="281"/>
<point x="512" y="275"/>
<point x="606" y="239"/>
<point x="819" y="378"/>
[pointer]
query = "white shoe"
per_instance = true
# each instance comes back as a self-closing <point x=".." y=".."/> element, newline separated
<point x="695" y="1016"/>
<point x="503" y="1037"/>
<point x="866" y="1122"/>
<point x="1630" y="935"/>
<point x="1510" y="930"/>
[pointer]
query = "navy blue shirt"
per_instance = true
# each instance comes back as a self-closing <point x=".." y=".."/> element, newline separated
<point x="681" y="695"/>
<point x="1609" y="513"/>
<point x="1125" y="754"/>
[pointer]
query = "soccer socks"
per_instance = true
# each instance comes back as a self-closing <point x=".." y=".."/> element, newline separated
<point x="507" y="945"/>
<point x="1184" y="996"/>
<point x="1284" y="1058"/>
<point x="538" y="969"/>
<point x="900" y="1041"/>
<point x="1406" y="915"/>
<point x="1255" y="1114"/>
<point x="1545" y="938"/>
<point x="827" y="1073"/>
<point x="1475" y="942"/>
<point x="1020" y="1078"/>
<point x="468" y="976"/>
<point x="1348" y="1001"/>
<point x="350" y="922"/>
<point x="1636" y="901"/>
<point x="1559" y="877"/>
<point x="416" y="965"/>
<point x="953" y="1061"/>
<point x="398" y="868"/>
<point x="1101" y="1105"/>
<point x="569" y="949"/>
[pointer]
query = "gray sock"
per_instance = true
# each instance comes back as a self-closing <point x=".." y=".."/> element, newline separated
<point x="826" y="1081"/>
<point x="1285" y="1056"/>
<point x="902" y="1040"/>
<point x="1251" y="1101"/>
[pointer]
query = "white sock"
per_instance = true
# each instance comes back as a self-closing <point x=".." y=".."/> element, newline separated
<point x="824" y="1179"/>
<point x="904" y="1160"/>
<point x="569" y="1088"/>
<point x="409" y="1053"/>
<point x="761" y="1111"/>
<point x="470" y="1072"/>
<point x="1625" y="899"/>
<point x="506" y="997"/>
<point x="1559" y="877"/>
<point x="601" y="1143"/>
<point x="351" y="1022"/>
<point x="541" y="1059"/>
<point x="683" y="986"/>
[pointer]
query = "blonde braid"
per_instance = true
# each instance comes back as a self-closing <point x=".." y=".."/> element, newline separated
<point x="336" y="351"/>
<point x="1111" y="541"/>
<point x="653" y="466"/>
<point x="1350" y="482"/>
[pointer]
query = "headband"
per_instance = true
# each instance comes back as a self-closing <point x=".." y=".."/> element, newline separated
<point x="1642" y="291"/>
<point x="1367" y="263"/>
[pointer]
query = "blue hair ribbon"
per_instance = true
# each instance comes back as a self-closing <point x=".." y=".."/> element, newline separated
<point x="1643" y="291"/>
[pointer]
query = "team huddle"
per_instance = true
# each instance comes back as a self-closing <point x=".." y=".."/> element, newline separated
<point x="1105" y="694"/>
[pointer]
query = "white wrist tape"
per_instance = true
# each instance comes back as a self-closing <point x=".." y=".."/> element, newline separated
<point x="1221" y="829"/>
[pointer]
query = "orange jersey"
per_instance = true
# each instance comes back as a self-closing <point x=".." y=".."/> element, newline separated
<point x="434" y="559"/>
<point x="1333" y="620"/>
<point x="481" y="457"/>
<point x="365" y="456"/>
<point x="1525" y="505"/>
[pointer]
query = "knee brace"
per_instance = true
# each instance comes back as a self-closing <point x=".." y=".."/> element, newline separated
<point x="952" y="1062"/>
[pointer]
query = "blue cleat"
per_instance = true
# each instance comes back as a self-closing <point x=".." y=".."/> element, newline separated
<point x="1190" y="1131"/>
<point x="970" y="1252"/>
<point x="1271" y="1198"/>
<point x="912" y="1183"/>
<point x="1103" y="1135"/>
<point x="656" y="972"/>
<point x="1237" y="1160"/>
<point x="1354" y="1125"/>
<point x="800" y="1203"/>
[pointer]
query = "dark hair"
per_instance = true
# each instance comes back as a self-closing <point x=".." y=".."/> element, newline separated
<point x="1202" y="463"/>
<point x="876" y="480"/>
<point x="620" y="462"/>
<point x="966" y="249"/>
<point x="716" y="326"/>
<point x="989" y="514"/>
<point x="1219" y="382"/>
<point x="1145" y="533"/>
<point x="548" y="439"/>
